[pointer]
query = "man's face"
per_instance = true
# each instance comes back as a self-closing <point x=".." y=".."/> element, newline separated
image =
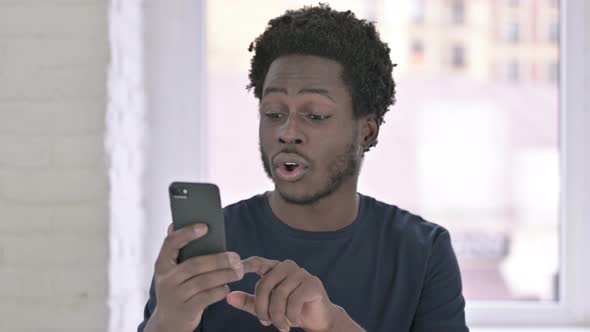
<point x="309" y="139"/>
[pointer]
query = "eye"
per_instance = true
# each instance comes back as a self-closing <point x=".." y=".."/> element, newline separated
<point x="316" y="117"/>
<point x="273" y="115"/>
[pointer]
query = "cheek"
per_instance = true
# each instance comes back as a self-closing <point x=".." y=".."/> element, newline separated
<point x="264" y="134"/>
<point x="326" y="152"/>
<point x="334" y="150"/>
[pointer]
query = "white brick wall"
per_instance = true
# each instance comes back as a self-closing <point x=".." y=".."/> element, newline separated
<point x="53" y="179"/>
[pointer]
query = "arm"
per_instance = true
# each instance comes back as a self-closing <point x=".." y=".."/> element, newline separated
<point x="150" y="322"/>
<point x="184" y="290"/>
<point x="148" y="310"/>
<point x="343" y="322"/>
<point x="442" y="306"/>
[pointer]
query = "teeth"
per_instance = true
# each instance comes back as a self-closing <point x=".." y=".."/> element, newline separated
<point x="290" y="164"/>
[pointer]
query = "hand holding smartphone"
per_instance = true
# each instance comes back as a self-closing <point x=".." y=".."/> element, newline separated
<point x="193" y="268"/>
<point x="194" y="203"/>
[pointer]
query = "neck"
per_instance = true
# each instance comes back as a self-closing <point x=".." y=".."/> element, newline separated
<point x="331" y="213"/>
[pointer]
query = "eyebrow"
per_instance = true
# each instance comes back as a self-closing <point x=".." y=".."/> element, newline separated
<point x="321" y="92"/>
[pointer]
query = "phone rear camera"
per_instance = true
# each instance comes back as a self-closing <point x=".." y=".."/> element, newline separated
<point x="179" y="192"/>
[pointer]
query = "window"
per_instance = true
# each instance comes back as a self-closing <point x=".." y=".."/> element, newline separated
<point x="513" y="32"/>
<point x="418" y="11"/>
<point x="457" y="12"/>
<point x="553" y="72"/>
<point x="512" y="71"/>
<point x="553" y="32"/>
<point x="483" y="166"/>
<point x="417" y="51"/>
<point x="513" y="3"/>
<point x="457" y="56"/>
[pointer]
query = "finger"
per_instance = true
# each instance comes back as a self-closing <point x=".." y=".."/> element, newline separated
<point x="259" y="265"/>
<point x="269" y="281"/>
<point x="170" y="229"/>
<point x="173" y="243"/>
<point x="242" y="301"/>
<point x="295" y="307"/>
<point x="279" y="297"/>
<point x="195" y="266"/>
<point x="308" y="292"/>
<point x="206" y="298"/>
<point x="208" y="281"/>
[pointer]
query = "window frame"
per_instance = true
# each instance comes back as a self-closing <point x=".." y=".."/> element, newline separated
<point x="572" y="309"/>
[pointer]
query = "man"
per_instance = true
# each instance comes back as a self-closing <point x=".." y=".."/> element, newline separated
<point x="313" y="254"/>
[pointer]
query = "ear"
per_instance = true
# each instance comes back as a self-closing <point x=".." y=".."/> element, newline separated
<point x="369" y="131"/>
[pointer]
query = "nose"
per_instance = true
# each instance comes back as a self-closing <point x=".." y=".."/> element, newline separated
<point x="290" y="133"/>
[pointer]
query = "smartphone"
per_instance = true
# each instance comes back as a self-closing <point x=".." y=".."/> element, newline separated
<point x="194" y="203"/>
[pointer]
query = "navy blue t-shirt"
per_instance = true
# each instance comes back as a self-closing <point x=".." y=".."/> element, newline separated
<point x="390" y="270"/>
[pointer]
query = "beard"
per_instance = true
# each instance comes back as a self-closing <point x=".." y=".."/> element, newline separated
<point x="344" y="166"/>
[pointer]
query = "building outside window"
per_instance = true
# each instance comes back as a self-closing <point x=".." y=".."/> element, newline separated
<point x="513" y="32"/>
<point x="417" y="50"/>
<point x="457" y="56"/>
<point x="457" y="12"/>
<point x="512" y="71"/>
<point x="553" y="32"/>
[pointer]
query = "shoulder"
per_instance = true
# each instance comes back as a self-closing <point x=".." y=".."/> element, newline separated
<point x="249" y="207"/>
<point x="422" y="247"/>
<point x="404" y="226"/>
<point x="246" y="203"/>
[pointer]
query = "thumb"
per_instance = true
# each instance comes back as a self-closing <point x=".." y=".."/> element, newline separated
<point x="242" y="301"/>
<point x="170" y="228"/>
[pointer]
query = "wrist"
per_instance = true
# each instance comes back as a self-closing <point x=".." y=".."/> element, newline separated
<point x="157" y="323"/>
<point x="154" y="324"/>
<point x="341" y="322"/>
<point x="337" y="314"/>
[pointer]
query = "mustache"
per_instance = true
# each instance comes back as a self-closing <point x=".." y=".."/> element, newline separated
<point x="291" y="150"/>
<point x="287" y="149"/>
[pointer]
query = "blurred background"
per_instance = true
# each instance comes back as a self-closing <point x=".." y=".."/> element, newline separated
<point x="471" y="144"/>
<point x="104" y="103"/>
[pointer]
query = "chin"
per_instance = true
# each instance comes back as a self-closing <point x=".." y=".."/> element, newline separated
<point x="299" y="194"/>
<point x="297" y="199"/>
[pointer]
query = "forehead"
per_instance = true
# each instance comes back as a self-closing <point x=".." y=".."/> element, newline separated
<point x="304" y="70"/>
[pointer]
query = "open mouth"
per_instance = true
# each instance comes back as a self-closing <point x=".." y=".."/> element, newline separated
<point x="291" y="171"/>
<point x="290" y="167"/>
